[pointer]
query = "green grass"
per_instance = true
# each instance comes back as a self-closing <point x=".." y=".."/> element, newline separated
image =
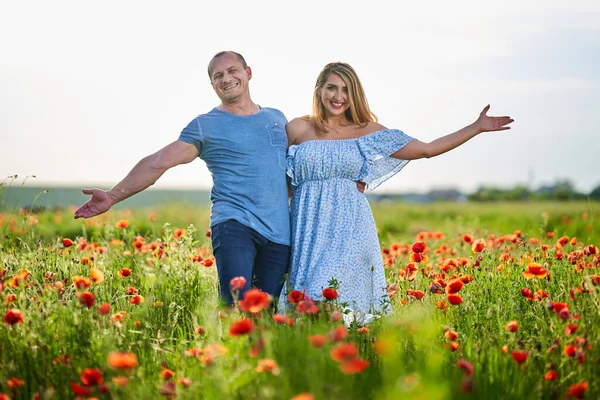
<point x="408" y="354"/>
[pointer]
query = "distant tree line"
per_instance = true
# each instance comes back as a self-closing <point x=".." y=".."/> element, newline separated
<point x="561" y="190"/>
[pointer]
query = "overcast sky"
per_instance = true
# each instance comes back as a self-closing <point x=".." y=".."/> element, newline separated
<point x="89" y="88"/>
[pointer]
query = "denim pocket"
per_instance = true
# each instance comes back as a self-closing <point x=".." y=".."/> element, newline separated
<point x="278" y="136"/>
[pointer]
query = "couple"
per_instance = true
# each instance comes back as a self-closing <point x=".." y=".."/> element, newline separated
<point x="249" y="149"/>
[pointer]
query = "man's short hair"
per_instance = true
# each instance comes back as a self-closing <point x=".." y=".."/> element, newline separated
<point x="222" y="53"/>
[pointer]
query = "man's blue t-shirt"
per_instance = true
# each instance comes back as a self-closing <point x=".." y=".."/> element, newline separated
<point x="246" y="158"/>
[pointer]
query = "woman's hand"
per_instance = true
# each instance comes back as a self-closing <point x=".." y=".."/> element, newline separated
<point x="486" y="123"/>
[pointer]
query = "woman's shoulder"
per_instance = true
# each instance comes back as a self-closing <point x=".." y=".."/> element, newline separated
<point x="298" y="128"/>
<point x="371" y="127"/>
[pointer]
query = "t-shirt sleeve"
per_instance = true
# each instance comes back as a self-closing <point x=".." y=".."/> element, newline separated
<point x="377" y="149"/>
<point x="192" y="134"/>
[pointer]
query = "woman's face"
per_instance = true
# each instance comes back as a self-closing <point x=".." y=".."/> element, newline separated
<point x="334" y="96"/>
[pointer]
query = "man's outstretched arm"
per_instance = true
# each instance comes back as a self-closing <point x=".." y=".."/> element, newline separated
<point x="144" y="174"/>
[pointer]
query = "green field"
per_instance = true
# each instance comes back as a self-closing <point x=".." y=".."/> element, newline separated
<point x="513" y="336"/>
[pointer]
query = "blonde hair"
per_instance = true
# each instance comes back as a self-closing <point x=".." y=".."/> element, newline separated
<point x="358" y="113"/>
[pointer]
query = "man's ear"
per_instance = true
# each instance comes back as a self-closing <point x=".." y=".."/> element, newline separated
<point x="249" y="72"/>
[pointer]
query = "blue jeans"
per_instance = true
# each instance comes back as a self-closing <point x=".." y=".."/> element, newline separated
<point x="241" y="251"/>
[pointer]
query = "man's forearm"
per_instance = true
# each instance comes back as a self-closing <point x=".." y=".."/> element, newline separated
<point x="142" y="176"/>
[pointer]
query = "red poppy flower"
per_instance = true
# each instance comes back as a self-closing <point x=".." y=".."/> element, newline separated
<point x="454" y="346"/>
<point x="338" y="334"/>
<point x="124" y="272"/>
<point x="67" y="242"/>
<point x="419" y="247"/>
<point x="237" y="283"/>
<point x="417" y="294"/>
<point x="466" y="278"/>
<point x="122" y="361"/>
<point x="364" y="330"/>
<point x="330" y="294"/>
<point x="571" y="329"/>
<point x="131" y="291"/>
<point x="551" y="375"/>
<point x="208" y="262"/>
<point x="179" y="233"/>
<point x="354" y="366"/>
<point x="570" y="350"/>
<point x="241" y="327"/>
<point x="527" y="293"/>
<point x="166" y="374"/>
<point x="255" y="300"/>
<point x="104" y="309"/>
<point x="91" y="376"/>
<point x="451" y="335"/>
<point x="467" y="239"/>
<point x="577" y="390"/>
<point x="535" y="269"/>
<point x="307" y="306"/>
<point x="478" y="246"/>
<point x="79" y="390"/>
<point x="454" y="286"/>
<point x="512" y="326"/>
<point x="295" y="297"/>
<point x="563" y="240"/>
<point x="86" y="298"/>
<point x="344" y="352"/>
<point x="137" y="300"/>
<point x="454" y="299"/>
<point x="13" y="316"/>
<point x="418" y="257"/>
<point x="465" y="366"/>
<point x="519" y="356"/>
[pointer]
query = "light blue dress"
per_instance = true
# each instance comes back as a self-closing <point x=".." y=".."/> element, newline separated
<point x="333" y="230"/>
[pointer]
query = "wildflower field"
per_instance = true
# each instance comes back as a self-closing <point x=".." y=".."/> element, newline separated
<point x="487" y="301"/>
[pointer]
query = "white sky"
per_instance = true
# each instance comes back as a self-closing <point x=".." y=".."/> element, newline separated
<point x="87" y="89"/>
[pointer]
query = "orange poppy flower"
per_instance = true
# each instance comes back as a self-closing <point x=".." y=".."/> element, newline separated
<point x="96" y="275"/>
<point x="237" y="283"/>
<point x="241" y="327"/>
<point x="295" y="297"/>
<point x="86" y="298"/>
<point x="466" y="278"/>
<point x="166" y="374"/>
<point x="519" y="356"/>
<point x="137" y="300"/>
<point x="303" y="396"/>
<point x="13" y="316"/>
<point x="255" y="300"/>
<point x="570" y="350"/>
<point x="122" y="224"/>
<point x="442" y="305"/>
<point x="562" y="241"/>
<point x="179" y="233"/>
<point x="268" y="365"/>
<point x="67" y="242"/>
<point x="512" y="326"/>
<point x="454" y="346"/>
<point x="577" y="390"/>
<point x="330" y="294"/>
<point x="535" y="269"/>
<point x="364" y="330"/>
<point x="344" y="352"/>
<point x="131" y="291"/>
<point x="454" y="299"/>
<point x="317" y="341"/>
<point x="124" y="272"/>
<point x="354" y="366"/>
<point x="280" y="318"/>
<point x="91" y="376"/>
<point x="551" y="375"/>
<point x="194" y="352"/>
<point x="122" y="361"/>
<point x="120" y="381"/>
<point x="81" y="282"/>
<point x="465" y="366"/>
<point x="418" y="257"/>
<point x="185" y="382"/>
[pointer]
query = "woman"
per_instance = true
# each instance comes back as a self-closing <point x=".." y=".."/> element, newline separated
<point x="333" y="230"/>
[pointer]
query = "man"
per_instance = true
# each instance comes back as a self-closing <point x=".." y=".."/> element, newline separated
<point x="244" y="147"/>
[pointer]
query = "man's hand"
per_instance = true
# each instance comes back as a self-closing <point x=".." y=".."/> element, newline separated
<point x="98" y="204"/>
<point x="361" y="186"/>
<point x="488" y="124"/>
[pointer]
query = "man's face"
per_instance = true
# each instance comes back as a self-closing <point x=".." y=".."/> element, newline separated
<point x="229" y="78"/>
<point x="334" y="95"/>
